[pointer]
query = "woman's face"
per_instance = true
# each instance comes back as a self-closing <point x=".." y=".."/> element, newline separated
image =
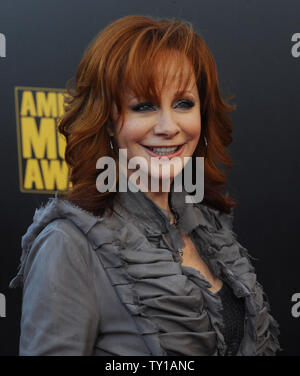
<point x="156" y="132"/>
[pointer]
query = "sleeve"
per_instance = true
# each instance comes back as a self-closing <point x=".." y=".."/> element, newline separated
<point x="59" y="308"/>
<point x="266" y="327"/>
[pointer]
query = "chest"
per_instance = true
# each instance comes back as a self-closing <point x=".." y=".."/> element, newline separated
<point x="192" y="258"/>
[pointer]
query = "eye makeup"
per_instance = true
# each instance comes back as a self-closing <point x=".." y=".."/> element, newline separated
<point x="183" y="103"/>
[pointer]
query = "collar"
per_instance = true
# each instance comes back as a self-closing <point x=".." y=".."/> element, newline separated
<point x="188" y="216"/>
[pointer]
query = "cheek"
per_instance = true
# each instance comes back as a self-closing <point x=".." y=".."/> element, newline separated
<point x="134" y="131"/>
<point x="194" y="129"/>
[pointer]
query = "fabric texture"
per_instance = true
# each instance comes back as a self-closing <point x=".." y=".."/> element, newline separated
<point x="114" y="285"/>
<point x="233" y="312"/>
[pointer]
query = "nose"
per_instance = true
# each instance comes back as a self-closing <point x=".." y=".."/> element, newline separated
<point x="166" y="125"/>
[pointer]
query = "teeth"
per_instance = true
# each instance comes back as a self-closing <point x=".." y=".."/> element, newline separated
<point x="164" y="151"/>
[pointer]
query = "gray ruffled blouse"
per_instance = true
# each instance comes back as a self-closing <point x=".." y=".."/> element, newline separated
<point x="115" y="285"/>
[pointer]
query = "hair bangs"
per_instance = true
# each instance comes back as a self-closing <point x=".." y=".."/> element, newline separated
<point x="148" y="73"/>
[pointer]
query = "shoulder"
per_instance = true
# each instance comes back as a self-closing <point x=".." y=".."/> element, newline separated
<point x="64" y="230"/>
<point x="60" y="233"/>
<point x="61" y="248"/>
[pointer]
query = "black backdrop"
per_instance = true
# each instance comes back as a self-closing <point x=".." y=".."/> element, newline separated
<point x="255" y="46"/>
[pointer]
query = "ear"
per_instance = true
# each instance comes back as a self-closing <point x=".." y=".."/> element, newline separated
<point x="109" y="127"/>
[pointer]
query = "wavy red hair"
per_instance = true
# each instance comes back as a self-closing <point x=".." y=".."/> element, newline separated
<point x="124" y="56"/>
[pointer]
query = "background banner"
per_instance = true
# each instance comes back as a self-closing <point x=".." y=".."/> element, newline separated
<point x="256" y="45"/>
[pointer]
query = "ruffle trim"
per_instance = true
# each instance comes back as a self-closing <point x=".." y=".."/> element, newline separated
<point x="151" y="283"/>
<point x="267" y="327"/>
<point x="230" y="260"/>
<point x="168" y="310"/>
<point x="171" y="313"/>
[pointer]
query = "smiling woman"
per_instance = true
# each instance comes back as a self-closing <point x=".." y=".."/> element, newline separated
<point x="171" y="128"/>
<point x="132" y="272"/>
<point x="150" y="84"/>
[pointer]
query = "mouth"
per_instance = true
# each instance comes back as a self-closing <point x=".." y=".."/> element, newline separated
<point x="164" y="151"/>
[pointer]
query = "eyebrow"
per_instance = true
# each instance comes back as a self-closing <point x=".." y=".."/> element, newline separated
<point x="175" y="95"/>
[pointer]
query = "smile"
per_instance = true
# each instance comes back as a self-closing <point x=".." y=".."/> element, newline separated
<point x="160" y="151"/>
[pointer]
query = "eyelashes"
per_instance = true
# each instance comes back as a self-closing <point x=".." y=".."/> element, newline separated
<point x="145" y="106"/>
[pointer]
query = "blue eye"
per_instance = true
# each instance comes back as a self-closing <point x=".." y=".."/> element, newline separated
<point x="186" y="103"/>
<point x="141" y="106"/>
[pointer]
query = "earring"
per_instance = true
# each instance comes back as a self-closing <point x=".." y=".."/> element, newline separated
<point x="206" y="145"/>
<point x="110" y="143"/>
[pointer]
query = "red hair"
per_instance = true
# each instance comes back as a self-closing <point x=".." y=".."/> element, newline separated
<point x="124" y="56"/>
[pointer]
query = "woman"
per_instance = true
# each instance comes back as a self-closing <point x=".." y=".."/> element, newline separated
<point x="141" y="271"/>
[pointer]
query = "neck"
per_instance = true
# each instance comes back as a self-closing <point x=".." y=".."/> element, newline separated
<point x="161" y="200"/>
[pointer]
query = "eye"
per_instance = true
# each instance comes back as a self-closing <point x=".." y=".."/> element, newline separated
<point x="142" y="107"/>
<point x="185" y="103"/>
<point x="146" y="106"/>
